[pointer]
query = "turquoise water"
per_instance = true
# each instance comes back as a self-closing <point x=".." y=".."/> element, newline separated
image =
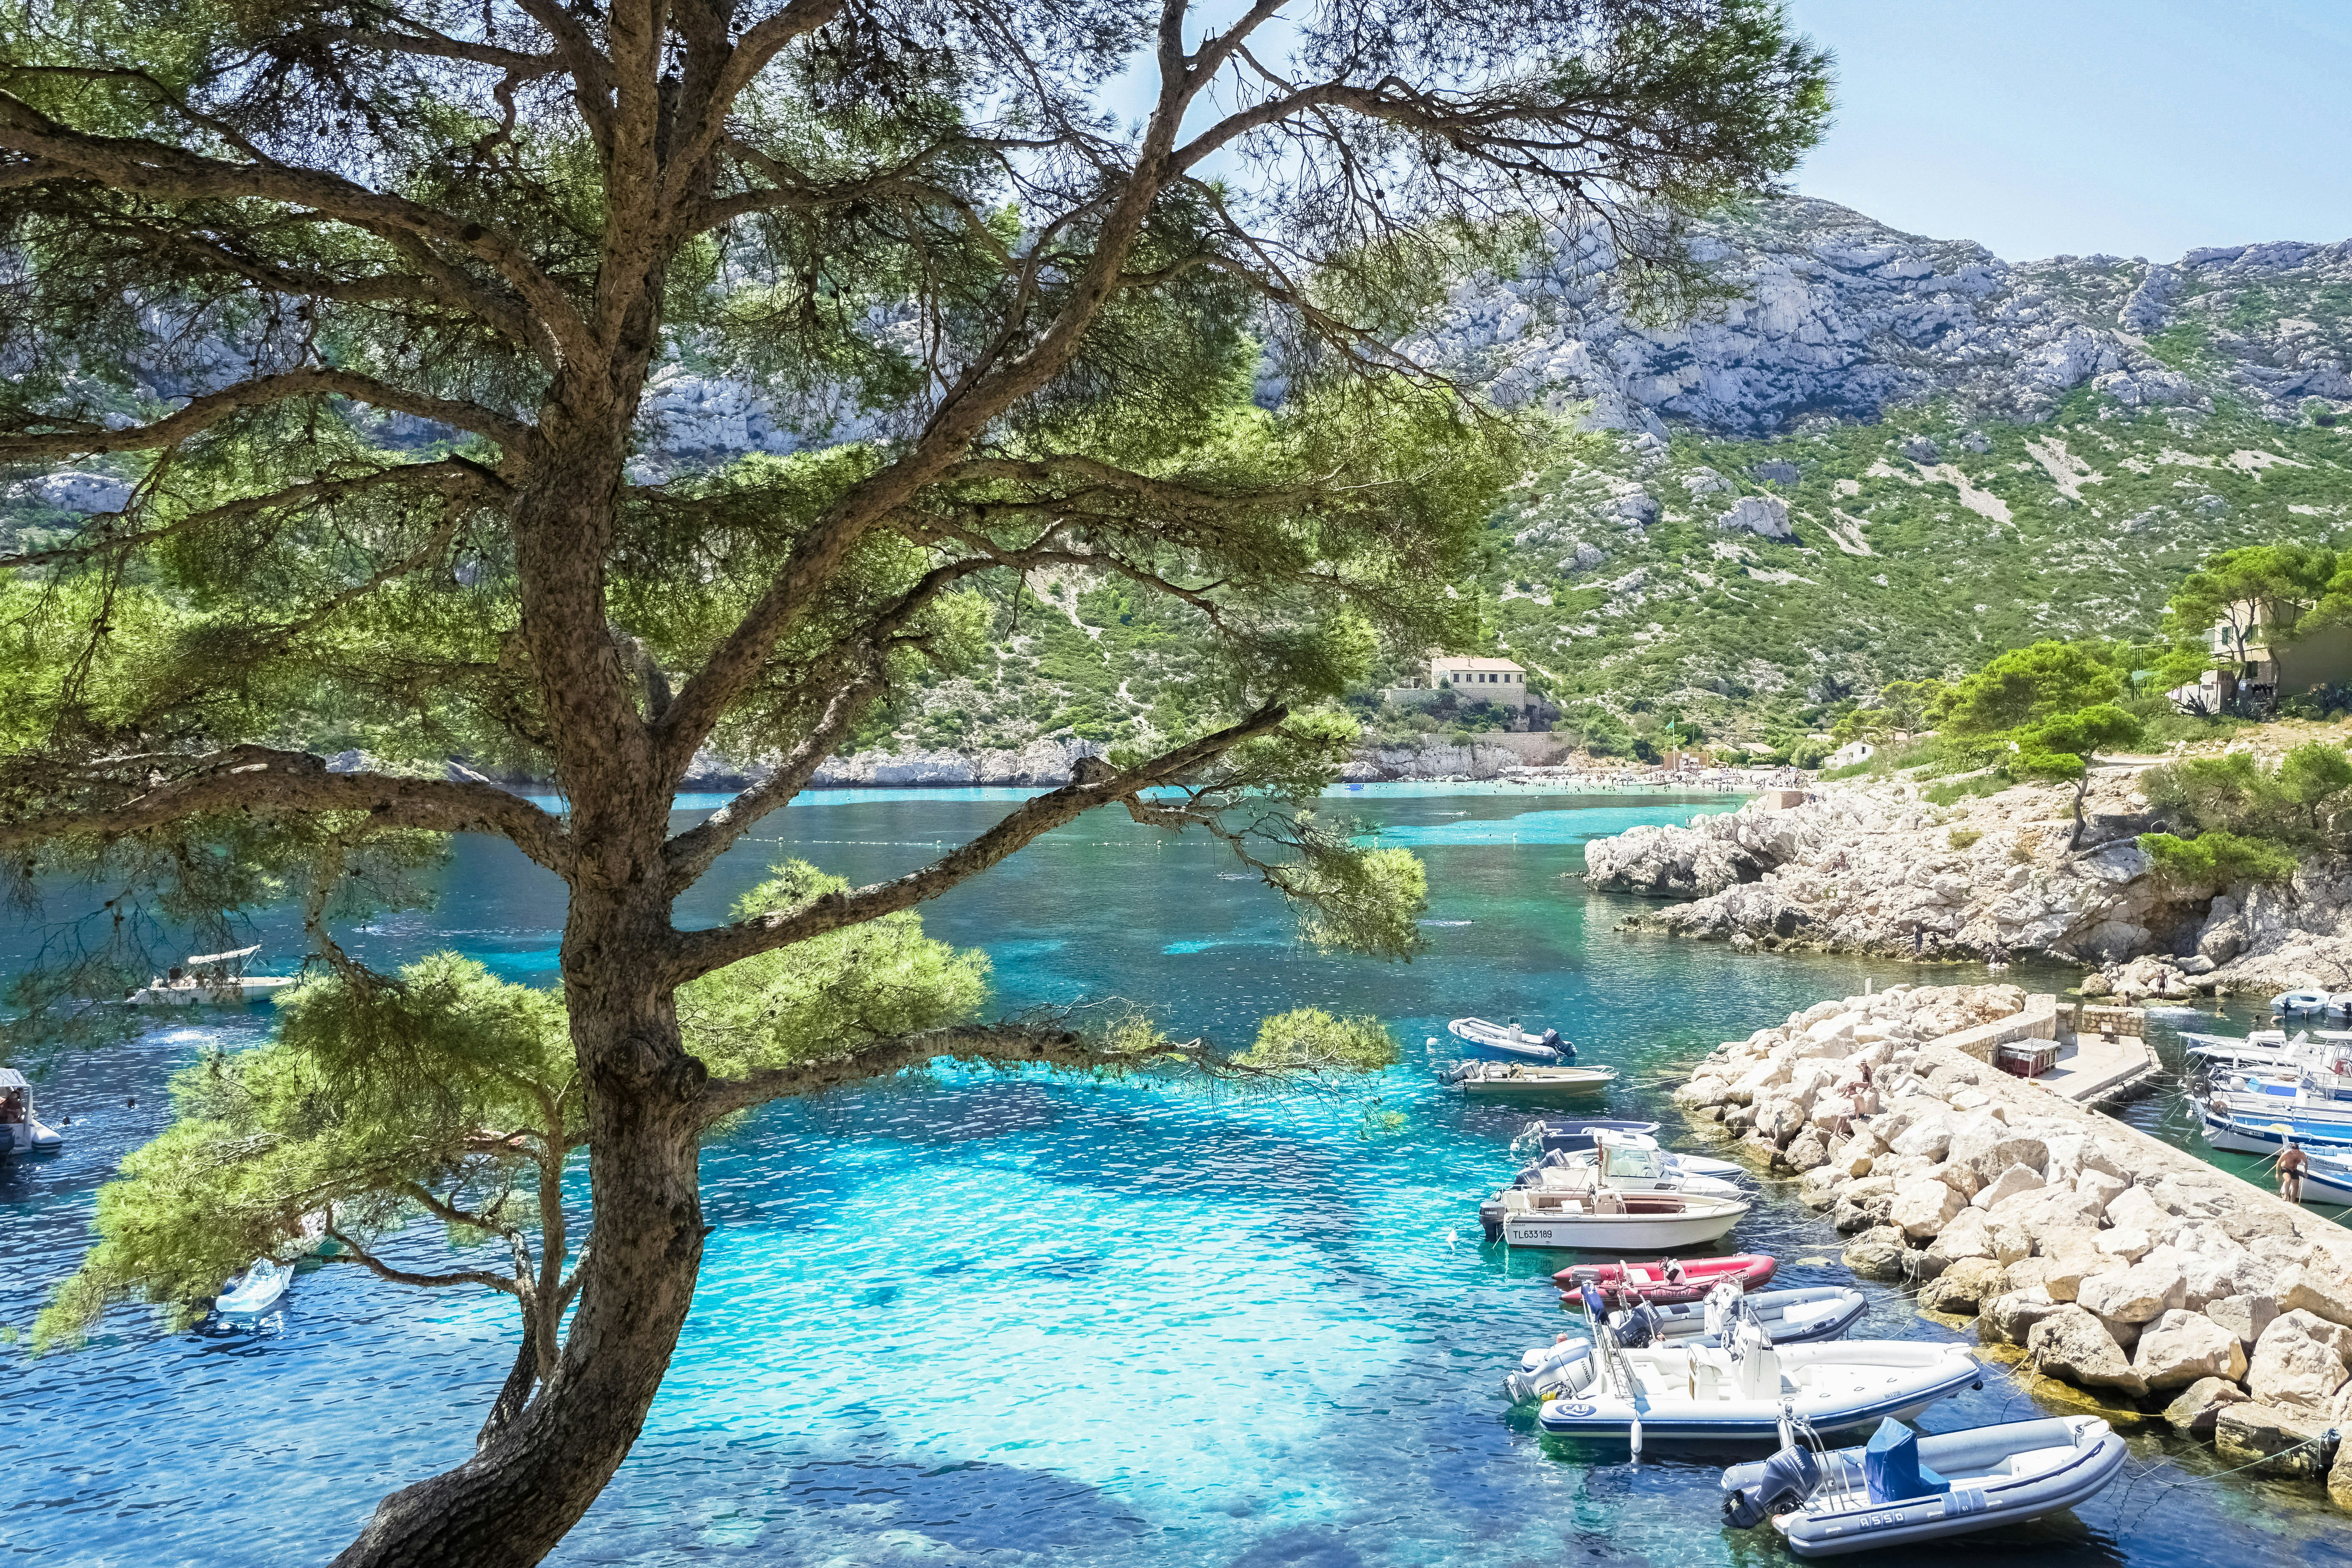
<point x="962" y="1318"/>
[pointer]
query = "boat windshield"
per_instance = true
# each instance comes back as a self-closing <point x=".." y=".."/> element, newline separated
<point x="1616" y="1160"/>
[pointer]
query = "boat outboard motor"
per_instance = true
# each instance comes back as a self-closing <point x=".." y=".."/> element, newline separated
<point x="1788" y="1478"/>
<point x="1490" y="1218"/>
<point x="1638" y="1327"/>
<point x="1558" y="1047"/>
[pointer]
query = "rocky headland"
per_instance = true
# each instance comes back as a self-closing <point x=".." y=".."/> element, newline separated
<point x="1877" y="867"/>
<point x="2160" y="1287"/>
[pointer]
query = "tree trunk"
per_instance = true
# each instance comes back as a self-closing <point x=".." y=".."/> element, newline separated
<point x="521" y="1378"/>
<point x="511" y="1502"/>
<point x="2082" y="788"/>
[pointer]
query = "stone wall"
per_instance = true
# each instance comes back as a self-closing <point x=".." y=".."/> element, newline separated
<point x="2096" y="1254"/>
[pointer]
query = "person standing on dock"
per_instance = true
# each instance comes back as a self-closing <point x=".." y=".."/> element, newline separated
<point x="2293" y="1162"/>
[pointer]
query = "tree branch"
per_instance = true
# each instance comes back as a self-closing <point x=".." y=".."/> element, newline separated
<point x="383" y="1270"/>
<point x="200" y="414"/>
<point x="694" y="954"/>
<point x="256" y="778"/>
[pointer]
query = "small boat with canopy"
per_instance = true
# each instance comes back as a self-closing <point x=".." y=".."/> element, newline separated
<point x="21" y="1131"/>
<point x="209" y="980"/>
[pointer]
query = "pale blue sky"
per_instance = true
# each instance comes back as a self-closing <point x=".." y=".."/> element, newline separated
<point x="2134" y="127"/>
<point x="2049" y="127"/>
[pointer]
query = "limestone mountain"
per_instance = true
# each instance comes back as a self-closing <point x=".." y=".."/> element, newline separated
<point x="1879" y="455"/>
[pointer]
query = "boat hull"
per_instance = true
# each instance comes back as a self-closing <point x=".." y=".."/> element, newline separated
<point x="1797" y="1317"/>
<point x="1595" y="1413"/>
<point x="1519" y="1082"/>
<point x="2257" y="1134"/>
<point x="1619" y="1233"/>
<point x="1986" y="1502"/>
<point x="1569" y="1132"/>
<point x="234" y="993"/>
<point x="1645" y="1282"/>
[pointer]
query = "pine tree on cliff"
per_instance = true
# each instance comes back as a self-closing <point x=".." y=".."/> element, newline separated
<point x="370" y="303"/>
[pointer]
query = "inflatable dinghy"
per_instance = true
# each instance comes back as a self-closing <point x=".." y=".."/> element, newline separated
<point x="1577" y="1133"/>
<point x="1667" y="1279"/>
<point x="260" y="1288"/>
<point x="1510" y="1043"/>
<point x="1902" y="1488"/>
<point x="1789" y="1317"/>
<point x="1745" y="1391"/>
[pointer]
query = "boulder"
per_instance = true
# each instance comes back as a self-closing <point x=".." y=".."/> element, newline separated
<point x="2044" y="1210"/>
<point x="1854" y="1157"/>
<point x="2073" y="1344"/>
<point x="2245" y="1316"/>
<point x="1819" y="1189"/>
<point x="2192" y="1413"/>
<point x="2137" y="1294"/>
<point x="2299" y="1362"/>
<point x="1969" y="1235"/>
<point x="2010" y="1151"/>
<point x="1808" y="1151"/>
<point x="2131" y="1246"/>
<point x="2340" y="1478"/>
<point x="2135" y="1208"/>
<point x="1923" y="1206"/>
<point x="2182" y="1346"/>
<point x="2073" y="1261"/>
<point x="2317" y="1289"/>
<point x="1879" y="1253"/>
<point x="2007" y="1319"/>
<point x="2252" y="1432"/>
<point x="1961" y="1286"/>
<point x="2011" y="1180"/>
<point x="2100" y="1187"/>
<point x="1927" y="1139"/>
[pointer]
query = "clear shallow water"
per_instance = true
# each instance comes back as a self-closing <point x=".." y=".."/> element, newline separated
<point x="963" y="1319"/>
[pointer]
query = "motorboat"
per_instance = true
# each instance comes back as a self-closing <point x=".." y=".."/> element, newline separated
<point x="1667" y="1279"/>
<point x="1792" y="1316"/>
<point x="2243" y="1126"/>
<point x="2260" y="1049"/>
<point x="1688" y="1164"/>
<point x="1626" y="1171"/>
<point x="1510" y="1042"/>
<point x="2289" y="1003"/>
<point x="209" y="980"/>
<point x="1747" y="1390"/>
<point x="254" y="1293"/>
<point x="1786" y="1317"/>
<point x="1604" y="1219"/>
<point x="1515" y="1079"/>
<point x="1902" y="1486"/>
<point x="1578" y="1132"/>
<point x="21" y="1131"/>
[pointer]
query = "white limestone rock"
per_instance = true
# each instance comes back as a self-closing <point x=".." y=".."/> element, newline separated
<point x="2179" y="1347"/>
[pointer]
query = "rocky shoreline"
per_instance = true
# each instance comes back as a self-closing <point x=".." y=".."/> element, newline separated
<point x="1878" y="868"/>
<point x="2153" y="1286"/>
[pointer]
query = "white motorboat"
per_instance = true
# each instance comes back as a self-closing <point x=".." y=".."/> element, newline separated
<point x="1787" y="1318"/>
<point x="1903" y="1488"/>
<point x="2290" y="1002"/>
<point x="1510" y="1042"/>
<point x="1573" y="1132"/>
<point x="1606" y="1220"/>
<point x="1747" y="1390"/>
<point x="209" y="980"/>
<point x="1505" y="1080"/>
<point x="21" y="1131"/>
<point x="1676" y="1159"/>
<point x="254" y="1293"/>
<point x="2260" y="1047"/>
<point x="2245" y="1124"/>
<point x="2328" y="1177"/>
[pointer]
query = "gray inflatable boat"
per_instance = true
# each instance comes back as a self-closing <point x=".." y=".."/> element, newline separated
<point x="1792" y="1317"/>
<point x="1902" y="1488"/>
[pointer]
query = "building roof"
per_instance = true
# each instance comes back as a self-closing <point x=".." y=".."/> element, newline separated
<point x="1463" y="661"/>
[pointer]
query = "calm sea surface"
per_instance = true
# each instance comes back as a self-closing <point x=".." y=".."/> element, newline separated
<point x="962" y="1318"/>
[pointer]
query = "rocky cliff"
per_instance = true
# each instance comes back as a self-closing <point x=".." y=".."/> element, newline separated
<point x="1878" y="868"/>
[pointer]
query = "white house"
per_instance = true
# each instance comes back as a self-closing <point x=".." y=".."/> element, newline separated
<point x="1853" y="752"/>
<point x="1495" y="680"/>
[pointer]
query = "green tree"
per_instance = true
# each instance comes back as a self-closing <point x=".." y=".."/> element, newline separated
<point x="369" y="304"/>
<point x="2025" y="686"/>
<point x="2237" y="821"/>
<point x="2058" y="750"/>
<point x="2259" y="594"/>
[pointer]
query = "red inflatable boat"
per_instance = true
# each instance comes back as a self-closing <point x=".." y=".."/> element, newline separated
<point x="1668" y="1280"/>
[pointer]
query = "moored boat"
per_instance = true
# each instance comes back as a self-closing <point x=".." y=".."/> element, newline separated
<point x="1790" y="1317"/>
<point x="2265" y="1128"/>
<point x="1664" y="1280"/>
<point x="256" y="1291"/>
<point x="1676" y="1159"/>
<point x="21" y="1131"/>
<point x="1903" y="1488"/>
<point x="1490" y="1080"/>
<point x="2290" y="1002"/>
<point x="1573" y="1132"/>
<point x="1510" y="1042"/>
<point x="209" y="980"/>
<point x="1606" y="1220"/>
<point x="1745" y="1391"/>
